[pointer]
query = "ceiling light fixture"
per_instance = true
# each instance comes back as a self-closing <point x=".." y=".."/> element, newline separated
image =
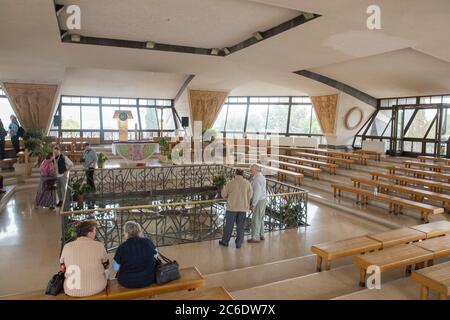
<point x="258" y="36"/>
<point x="150" y="45"/>
<point x="215" y="51"/>
<point x="75" y="38"/>
<point x="308" y="15"/>
<point x="226" y="51"/>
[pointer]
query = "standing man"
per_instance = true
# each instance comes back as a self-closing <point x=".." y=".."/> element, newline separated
<point x="89" y="162"/>
<point x="63" y="165"/>
<point x="238" y="193"/>
<point x="14" y="133"/>
<point x="3" y="135"/>
<point x="258" y="204"/>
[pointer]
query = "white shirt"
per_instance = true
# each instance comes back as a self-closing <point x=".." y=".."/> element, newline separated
<point x="259" y="188"/>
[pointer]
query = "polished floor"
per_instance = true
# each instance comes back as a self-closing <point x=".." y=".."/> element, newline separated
<point x="30" y="244"/>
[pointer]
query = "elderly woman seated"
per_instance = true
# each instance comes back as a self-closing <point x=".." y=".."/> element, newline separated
<point x="135" y="258"/>
<point x="84" y="262"/>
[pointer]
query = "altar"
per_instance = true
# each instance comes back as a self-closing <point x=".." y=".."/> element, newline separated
<point x="135" y="150"/>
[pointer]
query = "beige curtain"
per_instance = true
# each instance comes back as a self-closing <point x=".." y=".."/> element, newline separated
<point x="326" y="111"/>
<point x="206" y="105"/>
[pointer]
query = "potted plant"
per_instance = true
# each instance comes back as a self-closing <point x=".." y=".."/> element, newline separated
<point x="101" y="159"/>
<point x="164" y="149"/>
<point x="78" y="191"/>
<point x="219" y="182"/>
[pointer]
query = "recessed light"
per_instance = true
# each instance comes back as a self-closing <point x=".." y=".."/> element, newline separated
<point x="226" y="51"/>
<point x="308" y="15"/>
<point x="75" y="37"/>
<point x="258" y="36"/>
<point x="215" y="51"/>
<point x="150" y="45"/>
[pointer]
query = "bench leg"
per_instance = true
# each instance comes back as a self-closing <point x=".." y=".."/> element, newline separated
<point x="192" y="289"/>
<point x="408" y="270"/>
<point x="327" y="265"/>
<point x="419" y="265"/>
<point x="424" y="292"/>
<point x="362" y="277"/>
<point x="319" y="264"/>
<point x="430" y="263"/>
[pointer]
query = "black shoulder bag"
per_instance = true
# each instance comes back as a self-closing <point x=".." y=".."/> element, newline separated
<point x="56" y="284"/>
<point x="166" y="270"/>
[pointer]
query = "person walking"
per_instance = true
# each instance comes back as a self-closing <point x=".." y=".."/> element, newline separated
<point x="238" y="193"/>
<point x="89" y="163"/>
<point x="3" y="135"/>
<point x="14" y="133"/>
<point x="62" y="165"/>
<point x="46" y="194"/>
<point x="258" y="204"/>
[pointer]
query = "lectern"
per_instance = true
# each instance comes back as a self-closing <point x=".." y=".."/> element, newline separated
<point x="122" y="117"/>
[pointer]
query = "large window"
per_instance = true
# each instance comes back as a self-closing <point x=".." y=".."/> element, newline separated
<point x="5" y="109"/>
<point x="93" y="117"/>
<point x="254" y="116"/>
<point x="410" y="126"/>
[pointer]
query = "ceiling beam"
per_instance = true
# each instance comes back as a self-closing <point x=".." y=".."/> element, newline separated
<point x="183" y="87"/>
<point x="358" y="94"/>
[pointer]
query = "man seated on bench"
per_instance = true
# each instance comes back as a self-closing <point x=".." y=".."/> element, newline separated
<point x="135" y="258"/>
<point x="84" y="262"/>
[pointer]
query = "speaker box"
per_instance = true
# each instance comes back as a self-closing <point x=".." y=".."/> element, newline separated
<point x="57" y="121"/>
<point x="185" y="122"/>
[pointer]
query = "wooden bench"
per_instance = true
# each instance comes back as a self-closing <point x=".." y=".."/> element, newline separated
<point x="313" y="163"/>
<point x="440" y="246"/>
<point x="344" y="155"/>
<point x="396" y="204"/>
<point x="421" y="173"/>
<point x="217" y="293"/>
<point x="346" y="162"/>
<point x="283" y="174"/>
<point x="434" y="229"/>
<point x="369" y="153"/>
<point x="425" y="165"/>
<point x="190" y="279"/>
<point x="434" y="159"/>
<point x="40" y="295"/>
<point x="400" y="256"/>
<point x="326" y="252"/>
<point x="418" y="195"/>
<point x="436" y="278"/>
<point x="298" y="168"/>
<point x="435" y="186"/>
<point x="8" y="163"/>
<point x="398" y="236"/>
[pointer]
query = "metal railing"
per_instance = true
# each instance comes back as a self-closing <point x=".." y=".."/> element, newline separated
<point x="164" y="220"/>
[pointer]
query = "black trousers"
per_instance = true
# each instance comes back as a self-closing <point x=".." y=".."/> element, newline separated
<point x="2" y="149"/>
<point x="90" y="178"/>
<point x="16" y="144"/>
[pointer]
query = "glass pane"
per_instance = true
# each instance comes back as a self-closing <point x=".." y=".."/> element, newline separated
<point x="315" y="125"/>
<point x="446" y="99"/>
<point x="381" y="121"/>
<point x="429" y="148"/>
<point x="278" y="117"/>
<point x="432" y="133"/>
<point x="111" y="136"/>
<point x="385" y="103"/>
<point x="236" y="117"/>
<point x="407" y="146"/>
<point x="417" y="147"/>
<point x="108" y="121"/>
<point x="254" y="100"/>
<point x="242" y="100"/>
<point x="149" y="119"/>
<point x="71" y="134"/>
<point x="445" y="125"/>
<point x="437" y="99"/>
<point x="300" y="119"/>
<point x="257" y="115"/>
<point x="66" y="100"/>
<point x="421" y="123"/>
<point x="220" y="121"/>
<point x="70" y="117"/>
<point x="425" y="100"/>
<point x="90" y="117"/>
<point x="76" y="100"/>
<point x="5" y="112"/>
<point x="168" y="121"/>
<point x="411" y="101"/>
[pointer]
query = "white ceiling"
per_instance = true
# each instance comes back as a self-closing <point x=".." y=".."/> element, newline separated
<point x="410" y="55"/>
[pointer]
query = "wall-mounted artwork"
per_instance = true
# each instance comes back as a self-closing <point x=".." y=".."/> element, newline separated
<point x="353" y="118"/>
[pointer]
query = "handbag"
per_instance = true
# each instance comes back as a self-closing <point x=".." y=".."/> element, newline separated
<point x="56" y="284"/>
<point x="50" y="185"/>
<point x="166" y="270"/>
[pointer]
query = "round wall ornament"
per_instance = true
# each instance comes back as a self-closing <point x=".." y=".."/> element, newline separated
<point x="353" y="118"/>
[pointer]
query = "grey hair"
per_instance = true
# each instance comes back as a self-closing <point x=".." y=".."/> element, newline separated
<point x="256" y="167"/>
<point x="132" y="229"/>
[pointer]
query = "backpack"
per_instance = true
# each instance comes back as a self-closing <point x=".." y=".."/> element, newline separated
<point x="20" y="132"/>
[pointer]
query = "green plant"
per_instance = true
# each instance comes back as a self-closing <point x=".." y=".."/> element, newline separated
<point x="41" y="151"/>
<point x="164" y="145"/>
<point x="71" y="232"/>
<point x="32" y="144"/>
<point x="209" y="135"/>
<point x="291" y="213"/>
<point x="101" y="157"/>
<point x="219" y="181"/>
<point x="79" y="188"/>
<point x="33" y="134"/>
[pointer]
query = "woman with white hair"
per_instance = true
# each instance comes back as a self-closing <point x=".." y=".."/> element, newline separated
<point x="135" y="258"/>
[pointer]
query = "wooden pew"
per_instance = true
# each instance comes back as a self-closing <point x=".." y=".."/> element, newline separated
<point x="434" y="159"/>
<point x="421" y="174"/>
<point x="440" y="246"/>
<point x="400" y="256"/>
<point x="369" y="153"/>
<point x="425" y="165"/>
<point x="436" y="278"/>
<point x="435" y="186"/>
<point x="398" y="236"/>
<point x="434" y="229"/>
<point x="298" y="168"/>
<point x="344" y="155"/>
<point x="346" y="162"/>
<point x="283" y="174"/>
<point x="418" y="195"/>
<point x="217" y="293"/>
<point x="8" y="163"/>
<point x="326" y="252"/>
<point x="40" y="295"/>
<point x="312" y="163"/>
<point x="396" y="204"/>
